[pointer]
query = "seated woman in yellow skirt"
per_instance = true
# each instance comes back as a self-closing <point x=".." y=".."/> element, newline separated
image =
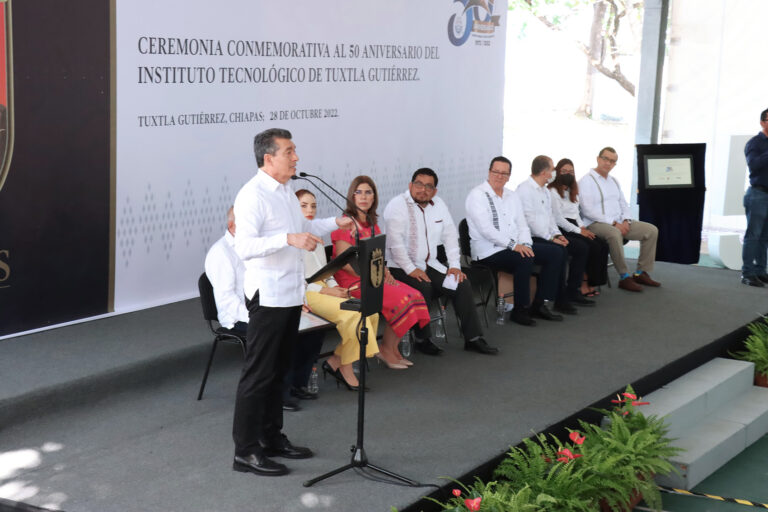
<point x="323" y="298"/>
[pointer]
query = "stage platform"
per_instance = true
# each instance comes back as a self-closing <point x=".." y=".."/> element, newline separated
<point x="102" y="416"/>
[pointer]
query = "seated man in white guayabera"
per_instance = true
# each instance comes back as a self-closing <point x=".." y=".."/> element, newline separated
<point x="606" y="214"/>
<point x="417" y="222"/>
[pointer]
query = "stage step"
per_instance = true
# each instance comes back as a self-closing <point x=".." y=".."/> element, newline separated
<point x="714" y="412"/>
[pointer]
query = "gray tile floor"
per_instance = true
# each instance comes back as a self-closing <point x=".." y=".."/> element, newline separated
<point x="133" y="438"/>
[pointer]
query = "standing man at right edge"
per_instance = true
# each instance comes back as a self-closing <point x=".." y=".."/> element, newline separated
<point x="753" y="253"/>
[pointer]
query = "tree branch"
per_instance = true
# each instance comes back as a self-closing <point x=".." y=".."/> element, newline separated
<point x="615" y="73"/>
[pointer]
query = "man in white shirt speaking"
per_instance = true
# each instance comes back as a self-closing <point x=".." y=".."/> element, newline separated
<point x="417" y="222"/>
<point x="270" y="239"/>
<point x="606" y="213"/>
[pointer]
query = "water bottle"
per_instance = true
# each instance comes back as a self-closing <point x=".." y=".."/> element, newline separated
<point x="405" y="345"/>
<point x="312" y="385"/>
<point x="439" y="332"/>
<point x="501" y="307"/>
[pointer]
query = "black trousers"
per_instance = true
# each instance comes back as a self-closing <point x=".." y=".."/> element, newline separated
<point x="513" y="263"/>
<point x="462" y="299"/>
<point x="553" y="259"/>
<point x="578" y="250"/>
<point x="305" y="353"/>
<point x="597" y="258"/>
<point x="269" y="346"/>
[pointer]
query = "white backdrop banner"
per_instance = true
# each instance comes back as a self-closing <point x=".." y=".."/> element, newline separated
<point x="376" y="88"/>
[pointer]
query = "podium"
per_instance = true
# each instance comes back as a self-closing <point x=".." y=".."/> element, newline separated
<point x="367" y="257"/>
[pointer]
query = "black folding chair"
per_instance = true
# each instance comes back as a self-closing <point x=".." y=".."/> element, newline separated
<point x="480" y="275"/>
<point x="211" y="314"/>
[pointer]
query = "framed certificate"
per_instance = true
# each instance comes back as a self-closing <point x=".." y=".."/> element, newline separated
<point x="669" y="171"/>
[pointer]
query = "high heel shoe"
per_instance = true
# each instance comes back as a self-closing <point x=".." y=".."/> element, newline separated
<point x="336" y="374"/>
<point x="391" y="366"/>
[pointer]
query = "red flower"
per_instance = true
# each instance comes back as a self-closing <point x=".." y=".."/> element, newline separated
<point x="635" y="402"/>
<point x="473" y="505"/>
<point x="567" y="455"/>
<point x="618" y="401"/>
<point x="625" y="413"/>
<point x="456" y="492"/>
<point x="576" y="438"/>
<point x="630" y="396"/>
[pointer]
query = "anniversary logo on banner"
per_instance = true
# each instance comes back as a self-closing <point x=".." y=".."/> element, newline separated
<point x="380" y="88"/>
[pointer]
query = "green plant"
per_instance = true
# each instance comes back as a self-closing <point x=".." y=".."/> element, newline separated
<point x="756" y="346"/>
<point x="628" y="451"/>
<point x="624" y="458"/>
<point x="548" y="469"/>
<point x="494" y="497"/>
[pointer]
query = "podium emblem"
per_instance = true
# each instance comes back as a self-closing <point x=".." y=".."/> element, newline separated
<point x="377" y="267"/>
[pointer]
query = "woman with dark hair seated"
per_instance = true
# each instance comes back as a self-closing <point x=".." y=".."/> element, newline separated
<point x="324" y="298"/>
<point x="403" y="306"/>
<point x="565" y="207"/>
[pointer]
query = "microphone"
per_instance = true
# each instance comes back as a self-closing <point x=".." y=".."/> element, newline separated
<point x="305" y="175"/>
<point x="294" y="177"/>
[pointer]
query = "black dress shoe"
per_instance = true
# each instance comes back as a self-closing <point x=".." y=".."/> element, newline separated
<point x="259" y="464"/>
<point x="566" y="308"/>
<point x="427" y="347"/>
<point x="282" y="447"/>
<point x="480" y="345"/>
<point x="303" y="393"/>
<point x="581" y="300"/>
<point x="290" y="406"/>
<point x="763" y="278"/>
<point x="542" y="311"/>
<point x="521" y="316"/>
<point x="752" y="281"/>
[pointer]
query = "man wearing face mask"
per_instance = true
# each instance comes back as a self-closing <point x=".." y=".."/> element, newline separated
<point x="417" y="222"/>
<point x="537" y="206"/>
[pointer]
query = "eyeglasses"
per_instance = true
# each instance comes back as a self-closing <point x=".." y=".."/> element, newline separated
<point x="419" y="185"/>
<point x="611" y="161"/>
<point x="364" y="192"/>
<point x="502" y="174"/>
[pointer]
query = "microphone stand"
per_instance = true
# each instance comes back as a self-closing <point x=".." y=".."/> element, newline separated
<point x="359" y="458"/>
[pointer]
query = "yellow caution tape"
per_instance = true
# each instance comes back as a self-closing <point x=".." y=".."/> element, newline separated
<point x="683" y="492"/>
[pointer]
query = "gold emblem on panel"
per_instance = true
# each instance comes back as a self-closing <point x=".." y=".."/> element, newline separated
<point x="377" y="267"/>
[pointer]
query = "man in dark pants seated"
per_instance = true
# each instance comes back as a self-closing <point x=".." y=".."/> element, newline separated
<point x="501" y="239"/>
<point x="537" y="206"/>
<point x="417" y="222"/>
<point x="226" y="271"/>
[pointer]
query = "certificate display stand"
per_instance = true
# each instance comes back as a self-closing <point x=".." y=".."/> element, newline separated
<point x="370" y="260"/>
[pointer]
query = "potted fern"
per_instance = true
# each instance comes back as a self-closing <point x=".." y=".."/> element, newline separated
<point x="627" y="452"/>
<point x="756" y="350"/>
<point x="624" y="461"/>
<point x="494" y="497"/>
<point x="549" y="469"/>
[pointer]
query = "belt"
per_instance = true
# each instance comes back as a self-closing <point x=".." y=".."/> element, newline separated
<point x="761" y="188"/>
